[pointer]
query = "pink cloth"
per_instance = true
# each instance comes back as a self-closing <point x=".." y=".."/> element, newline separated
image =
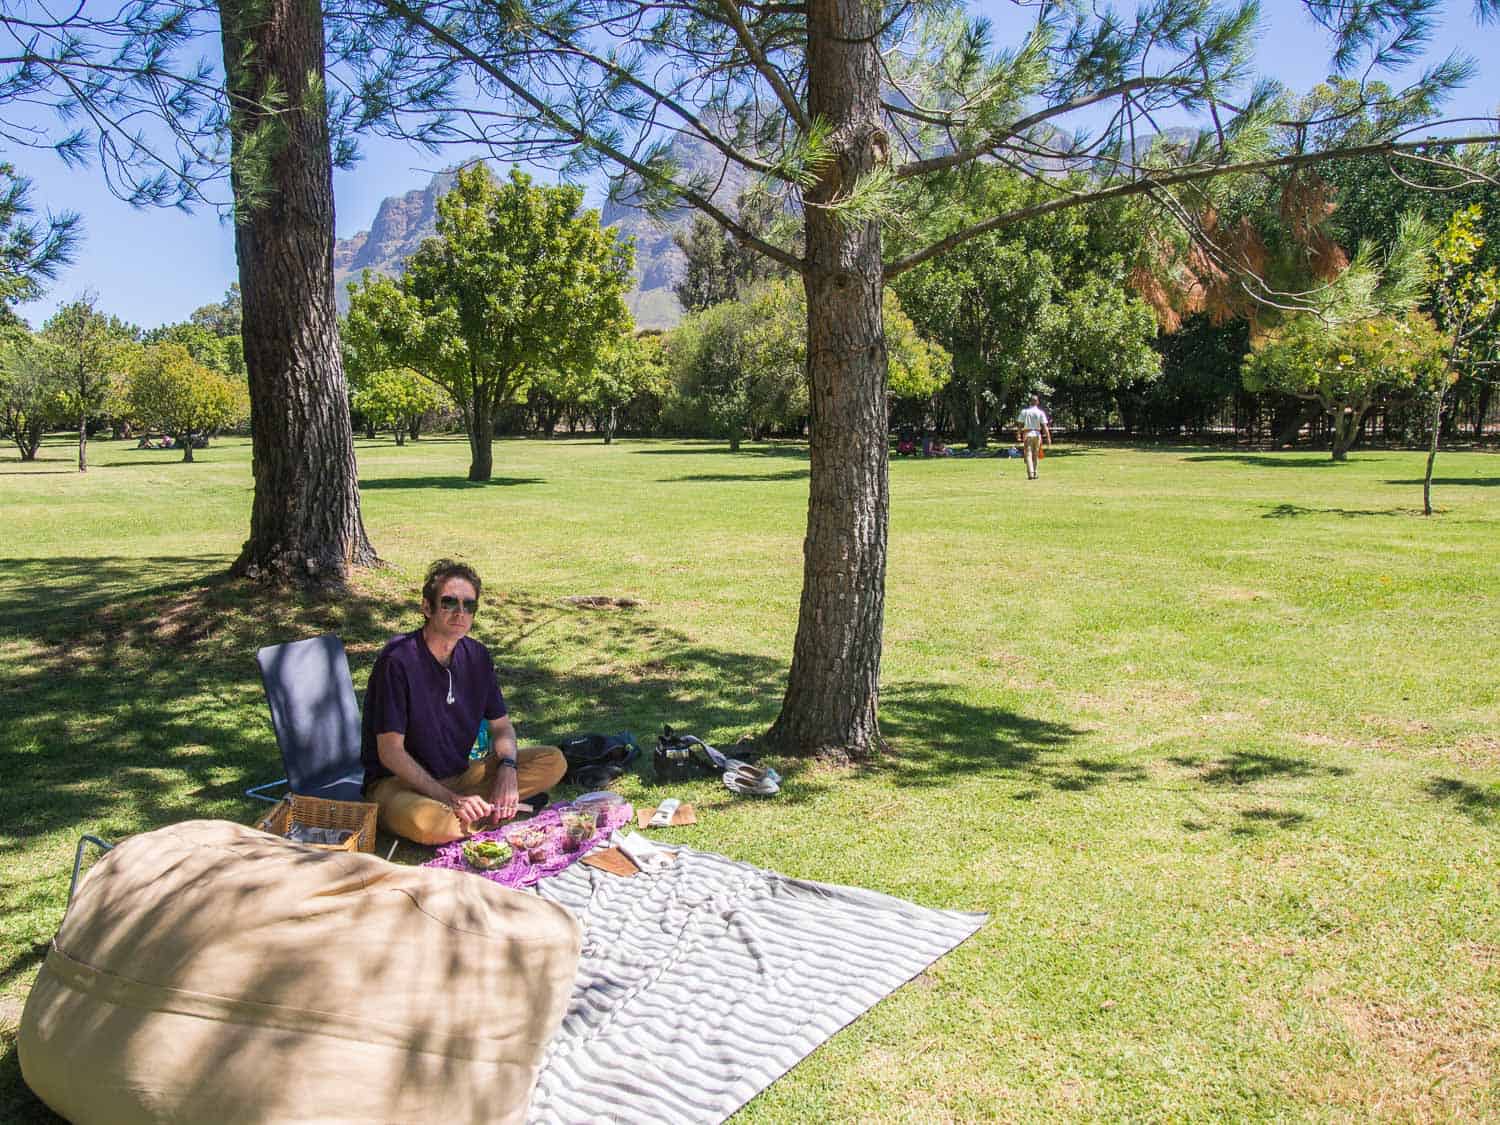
<point x="520" y="871"/>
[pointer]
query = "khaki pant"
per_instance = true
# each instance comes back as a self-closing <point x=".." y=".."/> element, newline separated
<point x="419" y="818"/>
<point x="1032" y="447"/>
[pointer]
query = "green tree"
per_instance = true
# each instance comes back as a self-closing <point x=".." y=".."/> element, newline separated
<point x="398" y="398"/>
<point x="30" y="391"/>
<point x="737" y="366"/>
<point x="172" y="391"/>
<point x="1467" y="300"/>
<point x="741" y="365"/>
<point x="717" y="267"/>
<point x="1349" y="367"/>
<point x="1097" y="339"/>
<point x="633" y="368"/>
<point x="85" y="348"/>
<point x="221" y="353"/>
<point x="518" y="282"/>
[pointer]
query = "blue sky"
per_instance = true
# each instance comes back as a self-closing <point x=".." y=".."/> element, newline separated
<point x="155" y="266"/>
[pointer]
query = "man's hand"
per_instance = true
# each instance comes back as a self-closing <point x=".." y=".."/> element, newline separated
<point x="469" y="810"/>
<point x="503" y="796"/>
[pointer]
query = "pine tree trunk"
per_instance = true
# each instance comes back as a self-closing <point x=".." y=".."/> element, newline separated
<point x="833" y="688"/>
<point x="305" y="521"/>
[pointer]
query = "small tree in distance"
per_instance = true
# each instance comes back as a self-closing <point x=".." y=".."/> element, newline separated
<point x="30" y="391"/>
<point x="395" y="398"/>
<point x="181" y="397"/>
<point x="1468" y="306"/>
<point x="85" y="348"/>
<point x="519" y="281"/>
<point x="1348" y="368"/>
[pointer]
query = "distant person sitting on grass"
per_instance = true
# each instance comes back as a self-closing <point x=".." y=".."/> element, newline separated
<point x="1033" y="424"/>
<point x="428" y="691"/>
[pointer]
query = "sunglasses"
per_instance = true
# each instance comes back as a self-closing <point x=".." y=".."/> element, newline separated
<point x="450" y="604"/>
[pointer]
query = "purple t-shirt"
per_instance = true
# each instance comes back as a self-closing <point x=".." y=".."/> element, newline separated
<point x="409" y="693"/>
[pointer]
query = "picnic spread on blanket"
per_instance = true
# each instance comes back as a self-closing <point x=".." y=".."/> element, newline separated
<point x="560" y="968"/>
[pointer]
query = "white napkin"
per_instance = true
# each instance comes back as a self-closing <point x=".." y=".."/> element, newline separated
<point x="644" y="853"/>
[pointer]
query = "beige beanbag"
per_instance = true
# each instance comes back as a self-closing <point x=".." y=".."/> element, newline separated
<point x="210" y="972"/>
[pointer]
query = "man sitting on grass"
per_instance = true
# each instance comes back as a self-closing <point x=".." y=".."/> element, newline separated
<point x="427" y="694"/>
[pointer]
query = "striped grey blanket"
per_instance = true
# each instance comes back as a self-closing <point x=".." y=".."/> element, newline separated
<point x="701" y="985"/>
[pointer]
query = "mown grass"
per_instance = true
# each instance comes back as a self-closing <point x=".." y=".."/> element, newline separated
<point x="1214" y="737"/>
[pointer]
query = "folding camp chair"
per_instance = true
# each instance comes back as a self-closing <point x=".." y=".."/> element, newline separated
<point x="316" y="719"/>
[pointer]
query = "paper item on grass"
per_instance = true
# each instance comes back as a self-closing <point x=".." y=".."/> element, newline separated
<point x="644" y="853"/>
<point x="683" y="816"/>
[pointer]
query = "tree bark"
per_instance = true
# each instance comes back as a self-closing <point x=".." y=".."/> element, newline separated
<point x="1482" y="407"/>
<point x="978" y="435"/>
<point x="1345" y="429"/>
<point x="186" y="441"/>
<point x="834" y="684"/>
<point x="305" y="523"/>
<point x="83" y="443"/>
<point x="1437" y="429"/>
<point x="481" y="440"/>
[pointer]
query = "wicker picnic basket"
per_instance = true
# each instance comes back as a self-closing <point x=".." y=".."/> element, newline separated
<point x="319" y="812"/>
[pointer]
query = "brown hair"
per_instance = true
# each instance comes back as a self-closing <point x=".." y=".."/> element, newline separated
<point x="444" y="569"/>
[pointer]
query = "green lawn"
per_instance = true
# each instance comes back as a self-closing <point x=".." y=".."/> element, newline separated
<point x="1215" y="737"/>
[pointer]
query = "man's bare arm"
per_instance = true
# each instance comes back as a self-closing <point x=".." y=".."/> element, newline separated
<point x="391" y="746"/>
<point x="503" y="737"/>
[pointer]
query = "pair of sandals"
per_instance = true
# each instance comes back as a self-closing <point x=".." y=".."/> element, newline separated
<point x="751" y="781"/>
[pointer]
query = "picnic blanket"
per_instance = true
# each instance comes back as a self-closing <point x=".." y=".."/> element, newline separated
<point x="701" y="985"/>
<point x="521" y="872"/>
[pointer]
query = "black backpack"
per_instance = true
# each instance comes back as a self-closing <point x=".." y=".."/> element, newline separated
<point x="594" y="760"/>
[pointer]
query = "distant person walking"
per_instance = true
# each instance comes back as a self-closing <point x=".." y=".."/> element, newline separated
<point x="1033" y="424"/>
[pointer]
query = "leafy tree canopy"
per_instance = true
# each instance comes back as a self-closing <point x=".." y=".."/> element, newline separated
<point x="394" y="397"/>
<point x="1349" y="367"/>
<point x="172" y="391"/>
<point x="518" y="282"/>
<point x="30" y="391"/>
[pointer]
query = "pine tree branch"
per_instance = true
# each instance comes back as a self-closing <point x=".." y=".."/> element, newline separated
<point x="973" y="152"/>
<point x="583" y="137"/>
<point x="763" y="65"/>
<point x="1158" y="181"/>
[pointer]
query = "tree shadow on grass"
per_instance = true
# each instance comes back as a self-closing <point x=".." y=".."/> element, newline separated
<point x="719" y="449"/>
<point x="1298" y="460"/>
<point x="1455" y="482"/>
<point x="1481" y="802"/>
<point x="714" y="478"/>
<point x="379" y="484"/>
<point x="1288" y="511"/>
<point x="1255" y="822"/>
<point x="1245" y="767"/>
<point x="936" y="737"/>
